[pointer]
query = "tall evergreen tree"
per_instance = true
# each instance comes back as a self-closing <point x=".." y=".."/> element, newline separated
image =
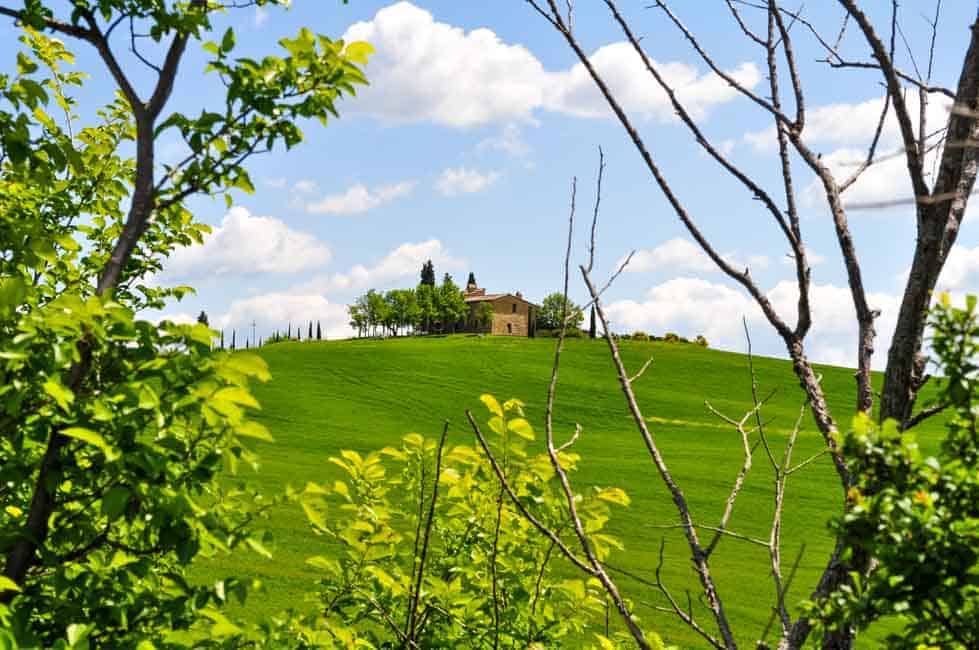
<point x="233" y="339"/>
<point x="289" y="332"/>
<point x="202" y="318"/>
<point x="319" y="332"/>
<point x="222" y="339"/>
<point x="309" y="337"/>
<point x="428" y="273"/>
<point x="591" y="327"/>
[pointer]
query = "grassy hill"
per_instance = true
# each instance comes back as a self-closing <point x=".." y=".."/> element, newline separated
<point x="365" y="394"/>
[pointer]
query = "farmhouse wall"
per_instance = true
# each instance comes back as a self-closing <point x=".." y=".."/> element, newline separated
<point x="511" y="317"/>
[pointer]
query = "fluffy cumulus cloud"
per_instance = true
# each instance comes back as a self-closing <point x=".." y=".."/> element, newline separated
<point x="460" y="180"/>
<point x="405" y="261"/>
<point x="309" y="300"/>
<point x="425" y="70"/>
<point x="680" y="255"/>
<point x="691" y="306"/>
<point x="274" y="311"/>
<point x="846" y="130"/>
<point x="246" y="243"/>
<point x="574" y="92"/>
<point x="359" y="198"/>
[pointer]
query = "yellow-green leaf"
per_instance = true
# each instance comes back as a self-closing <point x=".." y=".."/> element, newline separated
<point x="86" y="435"/>
<point x="521" y="427"/>
<point x="491" y="404"/>
<point x="6" y="584"/>
<point x="236" y="395"/>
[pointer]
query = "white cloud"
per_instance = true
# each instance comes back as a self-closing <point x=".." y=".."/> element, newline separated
<point x="179" y="318"/>
<point x="692" y="306"/>
<point x="575" y="93"/>
<point x="679" y="255"/>
<point x="305" y="186"/>
<point x="245" y="243"/>
<point x="853" y="124"/>
<point x="275" y="311"/>
<point x="676" y="255"/>
<point x="460" y="180"/>
<point x="307" y="302"/>
<point x="359" y="198"/>
<point x="961" y="271"/>
<point x="405" y="261"/>
<point x="425" y="70"/>
<point x="509" y="141"/>
<point x="261" y="17"/>
<point x="847" y="129"/>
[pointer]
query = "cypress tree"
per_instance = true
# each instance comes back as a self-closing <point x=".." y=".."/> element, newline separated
<point x="428" y="273"/>
<point x="309" y="337"/>
<point x="591" y="327"/>
<point x="233" y="339"/>
<point x="222" y="339"/>
<point x="289" y="332"/>
<point x="246" y="343"/>
<point x="319" y="332"/>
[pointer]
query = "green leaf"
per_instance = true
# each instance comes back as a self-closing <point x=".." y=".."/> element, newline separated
<point x="252" y="429"/>
<point x="228" y="41"/>
<point x="59" y="393"/>
<point x="148" y="398"/>
<point x="614" y="495"/>
<point x="249" y="364"/>
<point x="13" y="290"/>
<point x="114" y="501"/>
<point x="257" y="546"/>
<point x="236" y="395"/>
<point x="86" y="435"/>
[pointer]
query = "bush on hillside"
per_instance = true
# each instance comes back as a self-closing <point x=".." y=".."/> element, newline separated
<point x="639" y="335"/>
<point x="701" y="341"/>
<point x="419" y="536"/>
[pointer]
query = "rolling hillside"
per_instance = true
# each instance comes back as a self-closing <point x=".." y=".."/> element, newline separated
<point x="365" y="394"/>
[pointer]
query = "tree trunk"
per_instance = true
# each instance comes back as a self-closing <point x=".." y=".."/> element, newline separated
<point x="938" y="225"/>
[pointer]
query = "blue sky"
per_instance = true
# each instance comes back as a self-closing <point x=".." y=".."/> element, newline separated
<point x="464" y="147"/>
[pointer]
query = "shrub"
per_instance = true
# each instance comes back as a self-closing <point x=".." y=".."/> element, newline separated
<point x="421" y="536"/>
<point x="701" y="341"/>
<point x="639" y="335"/>
<point x="672" y="337"/>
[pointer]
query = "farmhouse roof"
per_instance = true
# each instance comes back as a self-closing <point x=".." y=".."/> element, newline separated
<point x="490" y="297"/>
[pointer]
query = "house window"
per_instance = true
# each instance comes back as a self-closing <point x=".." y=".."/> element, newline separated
<point x="513" y="308"/>
<point x="509" y="328"/>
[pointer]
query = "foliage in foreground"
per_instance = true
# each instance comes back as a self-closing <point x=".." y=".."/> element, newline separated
<point x="115" y="429"/>
<point x="919" y="515"/>
<point x="433" y="552"/>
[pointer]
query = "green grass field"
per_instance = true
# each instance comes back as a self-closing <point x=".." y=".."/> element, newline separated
<point x="365" y="394"/>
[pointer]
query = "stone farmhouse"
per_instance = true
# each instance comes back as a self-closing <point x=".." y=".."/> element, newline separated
<point x="512" y="314"/>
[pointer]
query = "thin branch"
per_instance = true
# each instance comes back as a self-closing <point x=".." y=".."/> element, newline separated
<point x="579" y="530"/>
<point x="529" y="516"/>
<point x="923" y="415"/>
<point x="679" y="499"/>
<point x="428" y="533"/>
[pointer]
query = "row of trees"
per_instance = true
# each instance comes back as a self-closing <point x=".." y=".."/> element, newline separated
<point x="426" y="308"/>
<point x="277" y="336"/>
